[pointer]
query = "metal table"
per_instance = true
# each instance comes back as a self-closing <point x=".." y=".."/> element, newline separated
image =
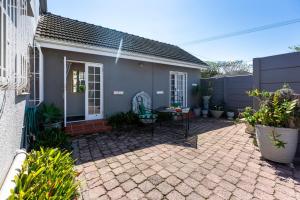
<point x="183" y="113"/>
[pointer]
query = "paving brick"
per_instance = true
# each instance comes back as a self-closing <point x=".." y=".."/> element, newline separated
<point x="262" y="195"/>
<point x="111" y="184"/>
<point x="116" y="193"/>
<point x="123" y="177"/>
<point x="242" y="194"/>
<point x="148" y="172"/>
<point x="128" y="185"/>
<point x="155" y="179"/>
<point x="96" y="192"/>
<point x="154" y="195"/>
<point x="208" y="183"/>
<point x="135" y="194"/>
<point x="184" y="189"/>
<point x="146" y="186"/>
<point x="173" y="180"/>
<point x="191" y="182"/>
<point x="194" y="196"/>
<point x="246" y="186"/>
<point x="222" y="192"/>
<point x="203" y="191"/>
<point x="174" y="195"/>
<point x="139" y="178"/>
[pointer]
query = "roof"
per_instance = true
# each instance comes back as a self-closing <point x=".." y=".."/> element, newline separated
<point x="55" y="27"/>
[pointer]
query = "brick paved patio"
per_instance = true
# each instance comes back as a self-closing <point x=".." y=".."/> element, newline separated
<point x="218" y="161"/>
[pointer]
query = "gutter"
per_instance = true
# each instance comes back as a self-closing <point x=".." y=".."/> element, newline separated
<point x="13" y="171"/>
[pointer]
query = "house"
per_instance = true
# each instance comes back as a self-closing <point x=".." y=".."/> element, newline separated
<point x="18" y="20"/>
<point x="92" y="72"/>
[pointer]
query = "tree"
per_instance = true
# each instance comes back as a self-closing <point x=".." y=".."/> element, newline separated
<point x="211" y="70"/>
<point x="295" y="48"/>
<point x="237" y="67"/>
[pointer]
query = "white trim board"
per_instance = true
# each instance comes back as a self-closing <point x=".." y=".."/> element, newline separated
<point x="72" y="46"/>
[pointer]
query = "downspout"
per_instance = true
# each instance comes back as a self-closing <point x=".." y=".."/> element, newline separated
<point x="13" y="171"/>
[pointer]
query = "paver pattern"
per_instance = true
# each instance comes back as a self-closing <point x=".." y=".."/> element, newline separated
<point x="217" y="161"/>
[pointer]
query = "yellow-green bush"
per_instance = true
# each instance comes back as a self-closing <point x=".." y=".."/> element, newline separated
<point x="46" y="174"/>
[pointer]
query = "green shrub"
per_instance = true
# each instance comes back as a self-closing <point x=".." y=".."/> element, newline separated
<point x="52" y="138"/>
<point x="49" y="113"/>
<point x="121" y="120"/>
<point x="46" y="174"/>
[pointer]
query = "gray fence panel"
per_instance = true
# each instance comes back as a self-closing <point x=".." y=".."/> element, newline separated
<point x="231" y="91"/>
<point x="272" y="72"/>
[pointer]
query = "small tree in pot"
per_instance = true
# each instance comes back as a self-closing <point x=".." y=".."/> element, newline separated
<point x="274" y="123"/>
<point x="196" y="91"/>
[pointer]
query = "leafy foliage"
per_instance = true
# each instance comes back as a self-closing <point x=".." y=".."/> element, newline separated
<point x="276" y="109"/>
<point x="52" y="137"/>
<point x="295" y="48"/>
<point x="46" y="174"/>
<point x="121" y="119"/>
<point x="49" y="113"/>
<point x="236" y="67"/>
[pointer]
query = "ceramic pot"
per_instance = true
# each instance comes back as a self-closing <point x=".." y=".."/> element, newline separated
<point x="206" y="102"/>
<point x="230" y="115"/>
<point x="204" y="113"/>
<point x="216" y="113"/>
<point x="269" y="150"/>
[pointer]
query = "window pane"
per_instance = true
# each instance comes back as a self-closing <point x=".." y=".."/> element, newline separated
<point x="4" y="41"/>
<point x="91" y="70"/>
<point x="0" y="38"/>
<point x="97" y="70"/>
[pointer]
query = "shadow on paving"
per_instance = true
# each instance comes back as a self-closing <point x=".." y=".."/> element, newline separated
<point x="104" y="145"/>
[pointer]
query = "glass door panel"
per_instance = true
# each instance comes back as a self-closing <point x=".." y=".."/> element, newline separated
<point x="94" y="92"/>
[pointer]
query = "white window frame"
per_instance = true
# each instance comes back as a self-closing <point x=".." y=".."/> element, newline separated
<point x="185" y="82"/>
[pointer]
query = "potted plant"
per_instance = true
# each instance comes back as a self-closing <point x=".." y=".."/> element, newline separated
<point x="230" y="114"/>
<point x="50" y="116"/>
<point x="217" y="111"/>
<point x="204" y="113"/>
<point x="196" y="91"/>
<point x="275" y="123"/>
<point x="206" y="91"/>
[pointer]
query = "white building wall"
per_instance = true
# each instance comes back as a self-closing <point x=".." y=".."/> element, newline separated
<point x="14" y="83"/>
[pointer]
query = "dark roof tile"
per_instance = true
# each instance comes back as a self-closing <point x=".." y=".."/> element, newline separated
<point x="61" y="28"/>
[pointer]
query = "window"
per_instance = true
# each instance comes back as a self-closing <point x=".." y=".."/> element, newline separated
<point x="178" y="92"/>
<point x="3" y="42"/>
<point x="78" y="85"/>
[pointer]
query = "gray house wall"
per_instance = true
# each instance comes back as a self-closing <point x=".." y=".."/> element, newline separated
<point x="125" y="75"/>
<point x="231" y="91"/>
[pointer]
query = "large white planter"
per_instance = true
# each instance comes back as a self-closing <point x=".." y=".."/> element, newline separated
<point x="206" y="102"/>
<point x="216" y="113"/>
<point x="271" y="152"/>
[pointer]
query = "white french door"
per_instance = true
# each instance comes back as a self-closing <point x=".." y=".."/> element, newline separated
<point x="178" y="88"/>
<point x="94" y="91"/>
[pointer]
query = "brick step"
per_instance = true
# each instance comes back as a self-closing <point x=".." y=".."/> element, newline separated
<point x="87" y="127"/>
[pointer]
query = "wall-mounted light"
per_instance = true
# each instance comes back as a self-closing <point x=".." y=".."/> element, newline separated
<point x="194" y="84"/>
<point x="160" y="92"/>
<point x="118" y="92"/>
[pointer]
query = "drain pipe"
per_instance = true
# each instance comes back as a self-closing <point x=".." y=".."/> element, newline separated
<point x="13" y="171"/>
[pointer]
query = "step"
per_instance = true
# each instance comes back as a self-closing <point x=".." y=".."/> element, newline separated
<point x="87" y="127"/>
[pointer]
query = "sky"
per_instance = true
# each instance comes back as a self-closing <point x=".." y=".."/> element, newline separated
<point x="179" y="22"/>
